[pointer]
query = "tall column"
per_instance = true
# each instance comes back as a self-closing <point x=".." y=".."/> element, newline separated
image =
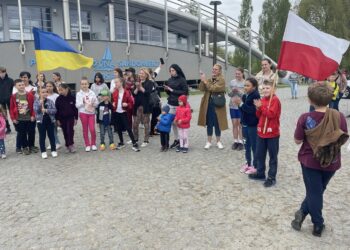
<point x="111" y="22"/>
<point x="207" y="37"/>
<point x="66" y="19"/>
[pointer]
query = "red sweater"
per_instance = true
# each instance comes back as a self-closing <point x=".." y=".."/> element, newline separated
<point x="183" y="113"/>
<point x="127" y="98"/>
<point x="272" y="114"/>
<point x="14" y="108"/>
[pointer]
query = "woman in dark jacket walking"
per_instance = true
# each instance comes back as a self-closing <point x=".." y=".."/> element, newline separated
<point x="175" y="87"/>
<point x="6" y="86"/>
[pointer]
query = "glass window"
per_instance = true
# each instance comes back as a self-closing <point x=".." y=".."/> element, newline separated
<point x="177" y="41"/>
<point x="85" y="24"/>
<point x="150" y="35"/>
<point x="32" y="16"/>
<point x="120" y="29"/>
<point x="1" y="26"/>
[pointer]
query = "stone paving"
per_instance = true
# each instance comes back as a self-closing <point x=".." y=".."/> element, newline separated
<point x="153" y="200"/>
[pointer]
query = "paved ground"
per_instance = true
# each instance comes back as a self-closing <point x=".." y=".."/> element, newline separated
<point x="152" y="200"/>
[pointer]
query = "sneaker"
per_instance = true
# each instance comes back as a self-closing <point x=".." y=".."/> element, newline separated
<point x="58" y="146"/>
<point x="269" y="182"/>
<point x="250" y="170"/>
<point x="26" y="151"/>
<point x="88" y="149"/>
<point x="219" y="145"/>
<point x="144" y="144"/>
<point x="178" y="149"/>
<point x="244" y="168"/>
<point x="207" y="145"/>
<point x="19" y="151"/>
<point x="112" y="146"/>
<point x="135" y="147"/>
<point x="72" y="149"/>
<point x="120" y="146"/>
<point x="175" y="144"/>
<point x="234" y="146"/>
<point x="184" y="150"/>
<point x="102" y="147"/>
<point x="317" y="231"/>
<point x="94" y="148"/>
<point x="3" y="156"/>
<point x="299" y="218"/>
<point x="54" y="154"/>
<point x="129" y="142"/>
<point x="44" y="155"/>
<point x="256" y="176"/>
<point x="34" y="149"/>
<point x="240" y="147"/>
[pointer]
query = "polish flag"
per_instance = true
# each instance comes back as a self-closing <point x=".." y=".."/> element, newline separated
<point x="309" y="51"/>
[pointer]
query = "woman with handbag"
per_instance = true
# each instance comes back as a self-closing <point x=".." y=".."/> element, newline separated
<point x="212" y="111"/>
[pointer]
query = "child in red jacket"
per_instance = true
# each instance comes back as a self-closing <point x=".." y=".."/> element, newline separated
<point x="269" y="113"/>
<point x="182" y="120"/>
<point x="22" y="114"/>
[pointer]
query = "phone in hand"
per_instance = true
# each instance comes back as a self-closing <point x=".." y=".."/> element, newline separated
<point x="161" y="61"/>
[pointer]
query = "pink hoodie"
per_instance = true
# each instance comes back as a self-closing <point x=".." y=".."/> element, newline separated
<point x="2" y="127"/>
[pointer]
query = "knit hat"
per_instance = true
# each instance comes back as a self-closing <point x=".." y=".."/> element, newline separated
<point x="183" y="99"/>
<point x="104" y="92"/>
<point x="166" y="108"/>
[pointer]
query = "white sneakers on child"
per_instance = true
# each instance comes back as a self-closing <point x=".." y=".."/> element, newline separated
<point x="94" y="148"/>
<point x="88" y="149"/>
<point x="44" y="155"/>
<point x="54" y="154"/>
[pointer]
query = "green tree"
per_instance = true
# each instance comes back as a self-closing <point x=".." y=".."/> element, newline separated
<point x="240" y="57"/>
<point x="331" y="17"/>
<point x="272" y="25"/>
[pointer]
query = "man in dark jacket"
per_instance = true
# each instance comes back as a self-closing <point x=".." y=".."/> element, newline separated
<point x="6" y="86"/>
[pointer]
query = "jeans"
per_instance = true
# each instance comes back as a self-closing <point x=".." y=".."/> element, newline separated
<point x="103" y="129"/>
<point x="140" y="116"/>
<point x="250" y="134"/>
<point x="25" y="133"/>
<point x="46" y="128"/>
<point x="164" y="139"/>
<point x="315" y="184"/>
<point x="264" y="145"/>
<point x="294" y="89"/>
<point x="123" y="124"/>
<point x="2" y="147"/>
<point x="183" y="136"/>
<point x="67" y="126"/>
<point x="31" y="134"/>
<point x="335" y="104"/>
<point x="212" y="120"/>
<point x="88" y="122"/>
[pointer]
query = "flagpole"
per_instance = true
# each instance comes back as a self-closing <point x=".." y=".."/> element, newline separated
<point x="80" y="31"/>
<point x="22" y="46"/>
<point x="275" y="79"/>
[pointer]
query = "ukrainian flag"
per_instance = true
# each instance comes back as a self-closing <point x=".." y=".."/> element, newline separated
<point x="51" y="52"/>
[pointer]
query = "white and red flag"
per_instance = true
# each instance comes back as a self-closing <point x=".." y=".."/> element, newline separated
<point x="309" y="51"/>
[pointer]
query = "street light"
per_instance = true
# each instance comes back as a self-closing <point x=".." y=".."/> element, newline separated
<point x="215" y="3"/>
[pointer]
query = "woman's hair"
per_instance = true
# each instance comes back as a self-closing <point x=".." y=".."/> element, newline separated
<point x="253" y="81"/>
<point x="178" y="70"/>
<point x="240" y="69"/>
<point x="121" y="80"/>
<point x="320" y="94"/>
<point x="53" y="86"/>
<point x="120" y="72"/>
<point x="148" y="76"/>
<point x="267" y="60"/>
<point x="58" y="75"/>
<point x="40" y="73"/>
<point x="65" y="86"/>
<point x="99" y="75"/>
<point x="25" y="73"/>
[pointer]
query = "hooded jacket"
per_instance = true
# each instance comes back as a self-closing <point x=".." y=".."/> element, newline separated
<point x="248" y="109"/>
<point x="65" y="106"/>
<point x="179" y="86"/>
<point x="86" y="102"/>
<point x="2" y="127"/>
<point x="272" y="114"/>
<point x="183" y="113"/>
<point x="14" y="108"/>
<point x="6" y="86"/>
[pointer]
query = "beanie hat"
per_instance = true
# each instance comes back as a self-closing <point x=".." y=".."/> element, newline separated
<point x="166" y="108"/>
<point x="183" y="99"/>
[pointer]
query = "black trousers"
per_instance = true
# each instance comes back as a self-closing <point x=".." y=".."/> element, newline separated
<point x="122" y="123"/>
<point x="47" y="127"/>
<point x="25" y="133"/>
<point x="164" y="139"/>
<point x="156" y="111"/>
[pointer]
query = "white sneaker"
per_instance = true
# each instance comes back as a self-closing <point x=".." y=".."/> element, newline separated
<point x="219" y="145"/>
<point x="129" y="142"/>
<point x="58" y="146"/>
<point x="48" y="147"/>
<point x="94" y="148"/>
<point x="44" y="155"/>
<point x="144" y="144"/>
<point x="54" y="154"/>
<point x="88" y="149"/>
<point x="207" y="145"/>
<point x="3" y="156"/>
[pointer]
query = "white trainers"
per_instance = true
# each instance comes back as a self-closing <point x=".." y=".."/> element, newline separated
<point x="94" y="148"/>
<point x="219" y="145"/>
<point x="3" y="156"/>
<point x="44" y="155"/>
<point x="144" y="144"/>
<point x="88" y="149"/>
<point x="207" y="145"/>
<point x="54" y="154"/>
<point x="58" y="146"/>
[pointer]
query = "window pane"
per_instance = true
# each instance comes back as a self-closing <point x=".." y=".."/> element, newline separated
<point x="33" y="16"/>
<point x="120" y="29"/>
<point x="85" y="24"/>
<point x="1" y="26"/>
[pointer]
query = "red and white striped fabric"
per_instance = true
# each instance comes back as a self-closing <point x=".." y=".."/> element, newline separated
<point x="309" y="51"/>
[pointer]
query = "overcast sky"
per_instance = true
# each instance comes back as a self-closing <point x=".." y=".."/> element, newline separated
<point x="232" y="8"/>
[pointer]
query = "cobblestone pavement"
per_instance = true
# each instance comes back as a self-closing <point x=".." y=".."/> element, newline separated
<point x="153" y="200"/>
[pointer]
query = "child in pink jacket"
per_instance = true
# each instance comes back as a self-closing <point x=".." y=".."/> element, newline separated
<point x="2" y="132"/>
<point x="182" y="120"/>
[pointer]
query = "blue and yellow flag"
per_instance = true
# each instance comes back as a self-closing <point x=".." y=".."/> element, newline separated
<point x="52" y="51"/>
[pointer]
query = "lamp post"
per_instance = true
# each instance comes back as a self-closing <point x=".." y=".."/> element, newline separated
<point x="215" y="3"/>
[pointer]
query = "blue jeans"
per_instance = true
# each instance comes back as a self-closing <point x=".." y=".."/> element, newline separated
<point x="103" y="129"/>
<point x="250" y="134"/>
<point x="294" y="89"/>
<point x="315" y="184"/>
<point x="335" y="104"/>
<point x="212" y="120"/>
<point x="46" y="128"/>
<point x="270" y="145"/>
<point x="2" y="147"/>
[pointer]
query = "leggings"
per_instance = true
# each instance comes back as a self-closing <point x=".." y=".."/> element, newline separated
<point x="183" y="135"/>
<point x="88" y="123"/>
